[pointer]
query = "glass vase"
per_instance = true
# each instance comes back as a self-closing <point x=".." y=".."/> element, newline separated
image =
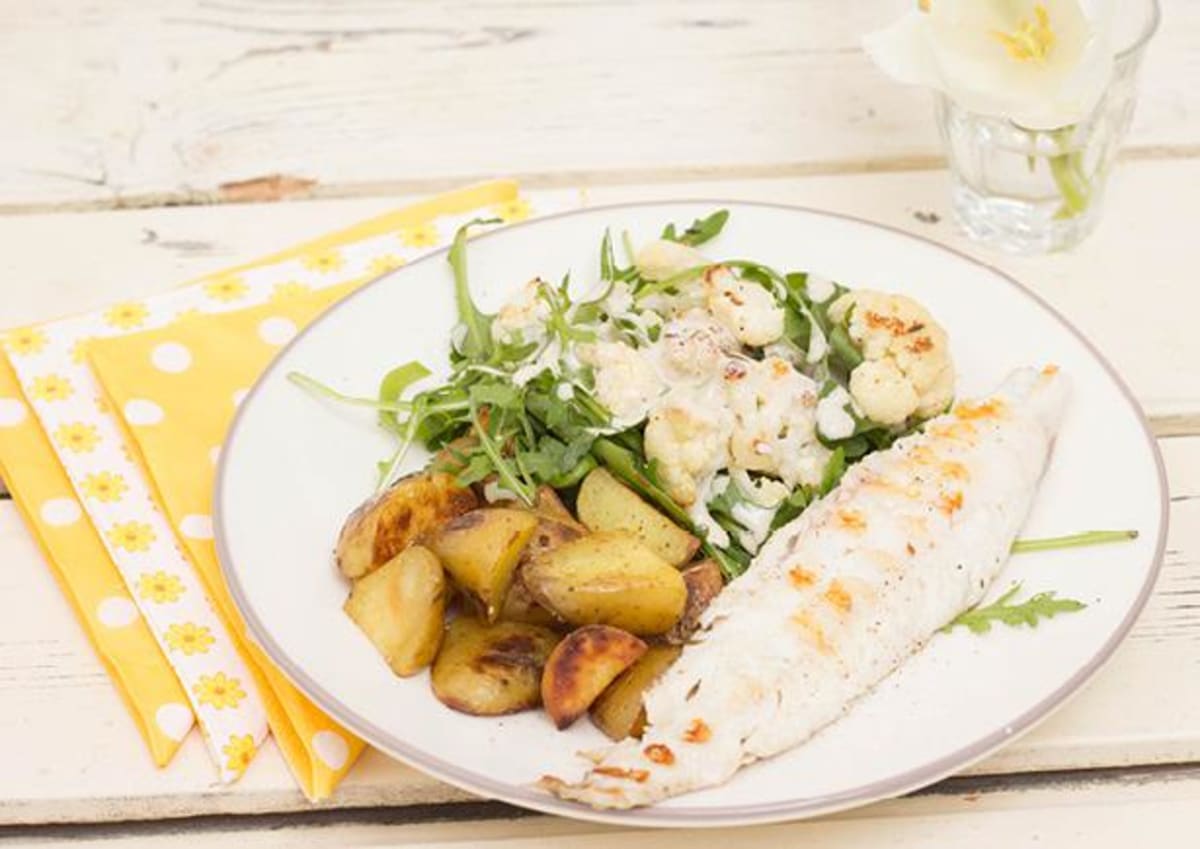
<point x="1036" y="191"/>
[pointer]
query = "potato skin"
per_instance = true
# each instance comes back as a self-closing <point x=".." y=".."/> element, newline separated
<point x="400" y="607"/>
<point x="548" y="505"/>
<point x="618" y="711"/>
<point x="606" y="504"/>
<point x="406" y="512"/>
<point x="608" y="578"/>
<point x="704" y="583"/>
<point x="581" y="666"/>
<point x="520" y="606"/>
<point x="481" y="548"/>
<point x="491" y="670"/>
<point x="549" y="535"/>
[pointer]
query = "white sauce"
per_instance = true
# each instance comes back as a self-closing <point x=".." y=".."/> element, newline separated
<point x="765" y="492"/>
<point x="547" y="360"/>
<point x="833" y="417"/>
<point x="757" y="522"/>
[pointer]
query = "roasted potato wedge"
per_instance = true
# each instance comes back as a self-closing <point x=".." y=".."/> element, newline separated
<point x="606" y="504"/>
<point x="608" y="578"/>
<point x="618" y="711"/>
<point x="489" y="670"/>
<point x="549" y="506"/>
<point x="520" y="606"/>
<point x="480" y="550"/>
<point x="400" y="607"/>
<point x="704" y="583"/>
<point x="581" y="666"/>
<point x="549" y="535"/>
<point x="406" y="512"/>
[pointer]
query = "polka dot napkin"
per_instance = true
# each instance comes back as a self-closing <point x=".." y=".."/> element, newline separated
<point x="88" y="577"/>
<point x="110" y="428"/>
<point x="179" y="387"/>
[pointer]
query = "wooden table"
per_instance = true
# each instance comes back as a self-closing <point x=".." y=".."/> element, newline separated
<point x="136" y="133"/>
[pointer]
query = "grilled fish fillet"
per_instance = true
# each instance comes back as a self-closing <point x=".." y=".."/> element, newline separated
<point x="840" y="597"/>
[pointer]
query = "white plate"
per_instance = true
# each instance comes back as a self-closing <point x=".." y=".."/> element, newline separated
<point x="293" y="468"/>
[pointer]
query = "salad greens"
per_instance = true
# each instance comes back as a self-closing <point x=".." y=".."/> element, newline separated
<point x="524" y="410"/>
<point x="1044" y="605"/>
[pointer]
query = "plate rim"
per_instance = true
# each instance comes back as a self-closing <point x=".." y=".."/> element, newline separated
<point x="717" y="816"/>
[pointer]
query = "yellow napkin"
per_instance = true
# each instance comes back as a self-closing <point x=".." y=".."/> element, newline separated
<point x="157" y="416"/>
<point x="89" y="580"/>
<point x="215" y="357"/>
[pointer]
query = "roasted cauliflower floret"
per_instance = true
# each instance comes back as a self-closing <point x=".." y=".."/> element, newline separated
<point x="774" y="431"/>
<point x="694" y="345"/>
<point x="743" y="306"/>
<point x="523" y="318"/>
<point x="884" y="393"/>
<point x="624" y="383"/>
<point x="688" y="445"/>
<point x="907" y="368"/>
<point x="662" y="258"/>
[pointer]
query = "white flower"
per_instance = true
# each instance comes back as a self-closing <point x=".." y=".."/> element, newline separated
<point x="1041" y="63"/>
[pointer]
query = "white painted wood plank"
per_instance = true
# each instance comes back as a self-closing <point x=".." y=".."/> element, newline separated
<point x="74" y="755"/>
<point x="125" y="101"/>
<point x="1131" y="288"/>
<point x="1108" y="814"/>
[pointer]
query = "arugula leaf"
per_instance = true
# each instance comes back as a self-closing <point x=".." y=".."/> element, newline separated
<point x="574" y="474"/>
<point x="477" y="344"/>
<point x="392" y="387"/>
<point x="791" y="507"/>
<point x="797" y="283"/>
<point x="476" y="468"/>
<point x="608" y="261"/>
<point x="546" y="460"/>
<point x="508" y="472"/>
<point x="499" y="395"/>
<point x="844" y="349"/>
<point x="321" y="390"/>
<point x="797" y="327"/>
<point x="834" y="469"/>
<point x="702" y="229"/>
<point x="724" y="501"/>
<point x="1044" y="605"/>
<point x="699" y="231"/>
<point x="721" y="507"/>
<point x="1073" y="540"/>
<point x="733" y="559"/>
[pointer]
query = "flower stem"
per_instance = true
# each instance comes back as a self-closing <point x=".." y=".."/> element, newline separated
<point x="1072" y="541"/>
<point x="1066" y="168"/>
